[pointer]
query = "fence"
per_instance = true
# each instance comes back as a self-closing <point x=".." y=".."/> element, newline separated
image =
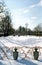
<point x="27" y="52"/>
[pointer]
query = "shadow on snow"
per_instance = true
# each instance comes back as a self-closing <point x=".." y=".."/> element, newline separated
<point x="40" y="60"/>
<point x="1" y="63"/>
<point x="26" y="62"/>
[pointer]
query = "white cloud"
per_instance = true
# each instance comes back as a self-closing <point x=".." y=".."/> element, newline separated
<point x="26" y="11"/>
<point x="32" y="6"/>
<point x="33" y="18"/>
<point x="40" y="3"/>
<point x="22" y="11"/>
<point x="35" y="5"/>
<point x="18" y="19"/>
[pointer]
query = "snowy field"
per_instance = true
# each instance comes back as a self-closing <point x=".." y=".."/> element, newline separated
<point x="25" y="43"/>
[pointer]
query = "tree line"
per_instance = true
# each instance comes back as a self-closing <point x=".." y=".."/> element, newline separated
<point x="23" y="31"/>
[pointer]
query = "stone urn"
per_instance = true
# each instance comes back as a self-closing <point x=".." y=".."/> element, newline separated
<point x="36" y="54"/>
<point x="15" y="54"/>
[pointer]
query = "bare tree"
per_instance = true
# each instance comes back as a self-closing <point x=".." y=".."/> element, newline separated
<point x="38" y="27"/>
<point x="5" y="18"/>
<point x="26" y="26"/>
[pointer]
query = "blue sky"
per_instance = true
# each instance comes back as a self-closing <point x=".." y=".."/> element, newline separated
<point x="25" y="11"/>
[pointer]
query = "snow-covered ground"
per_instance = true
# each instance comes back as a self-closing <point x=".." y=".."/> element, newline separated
<point x="6" y="43"/>
<point x="22" y="40"/>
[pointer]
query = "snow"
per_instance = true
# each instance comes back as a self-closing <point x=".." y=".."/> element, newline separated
<point x="22" y="40"/>
<point x="6" y="43"/>
<point x="20" y="62"/>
